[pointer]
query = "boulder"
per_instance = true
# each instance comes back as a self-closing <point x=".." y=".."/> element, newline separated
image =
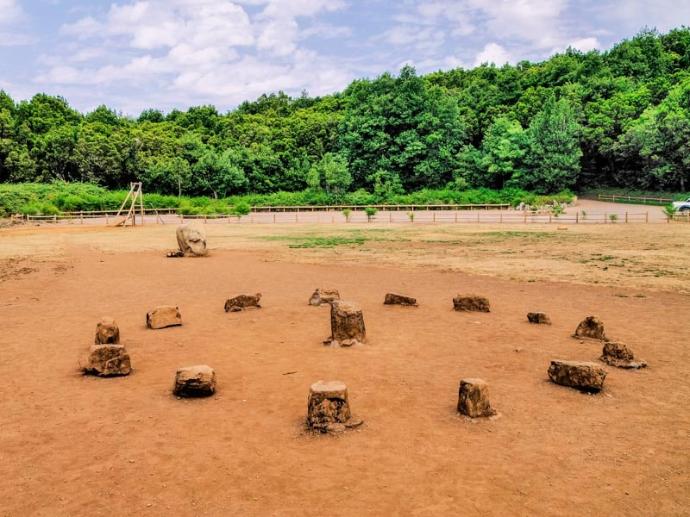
<point x="191" y="241"/>
<point x="163" y="316"/>
<point x="538" y="318"/>
<point x="328" y="408"/>
<point x="322" y="296"/>
<point x="399" y="299"/>
<point x="591" y="327"/>
<point x="580" y="375"/>
<point x="243" y="301"/>
<point x="107" y="332"/>
<point x="471" y="303"/>
<point x="619" y="355"/>
<point x="347" y="324"/>
<point x="195" y="381"/>
<point x="473" y="398"/>
<point x="108" y="361"/>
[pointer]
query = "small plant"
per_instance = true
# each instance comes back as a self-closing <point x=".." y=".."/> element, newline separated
<point x="669" y="212"/>
<point x="241" y="208"/>
<point x="371" y="212"/>
<point x="410" y="216"/>
<point x="347" y="213"/>
<point x="613" y="218"/>
<point x="584" y="215"/>
<point x="557" y="209"/>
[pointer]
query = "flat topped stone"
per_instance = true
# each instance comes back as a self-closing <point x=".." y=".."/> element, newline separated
<point x="107" y="332"/>
<point x="538" y="318"/>
<point x="328" y="408"/>
<point x="473" y="398"/>
<point x="620" y="355"/>
<point x="243" y="301"/>
<point x="108" y="361"/>
<point x="321" y="296"/>
<point x="399" y="299"/>
<point x="163" y="316"/>
<point x="592" y="328"/>
<point x="581" y="375"/>
<point x="471" y="303"/>
<point x="195" y="381"/>
<point x="347" y="324"/>
<point x="329" y="389"/>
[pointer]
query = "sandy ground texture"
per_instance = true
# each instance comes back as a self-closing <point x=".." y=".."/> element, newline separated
<point x="75" y="445"/>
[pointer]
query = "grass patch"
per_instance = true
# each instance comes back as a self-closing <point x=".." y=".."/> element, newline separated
<point x="328" y="242"/>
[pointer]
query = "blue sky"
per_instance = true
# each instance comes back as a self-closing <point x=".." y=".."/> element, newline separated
<point x="134" y="54"/>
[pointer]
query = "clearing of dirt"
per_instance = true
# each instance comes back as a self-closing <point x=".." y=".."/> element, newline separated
<point x="76" y="445"/>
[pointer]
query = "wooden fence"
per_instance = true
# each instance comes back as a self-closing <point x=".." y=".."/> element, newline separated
<point x="645" y="200"/>
<point x="486" y="216"/>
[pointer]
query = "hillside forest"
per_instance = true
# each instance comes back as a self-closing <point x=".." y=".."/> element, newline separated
<point x="618" y="118"/>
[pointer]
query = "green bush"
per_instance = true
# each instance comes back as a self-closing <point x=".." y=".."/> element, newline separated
<point x="49" y="198"/>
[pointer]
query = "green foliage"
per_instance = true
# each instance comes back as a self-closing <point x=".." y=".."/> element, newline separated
<point x="670" y="211"/>
<point x="371" y="212"/>
<point x="347" y="213"/>
<point x="619" y="118"/>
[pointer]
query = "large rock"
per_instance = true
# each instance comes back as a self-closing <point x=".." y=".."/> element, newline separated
<point x="399" y="299"/>
<point x="538" y="318"/>
<point x="473" y="398"/>
<point x="347" y="324"/>
<point x="321" y="296"/>
<point x="580" y="375"/>
<point x="619" y="355"/>
<point x="107" y="332"/>
<point x="195" y="381"/>
<point x="591" y="327"/>
<point x="471" y="303"/>
<point x="163" y="316"/>
<point x="328" y="408"/>
<point x="191" y="240"/>
<point x="243" y="301"/>
<point x="108" y="361"/>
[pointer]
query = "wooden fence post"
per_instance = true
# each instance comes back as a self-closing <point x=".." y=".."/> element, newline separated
<point x="577" y="217"/>
<point x="626" y="217"/>
<point x="646" y="217"/>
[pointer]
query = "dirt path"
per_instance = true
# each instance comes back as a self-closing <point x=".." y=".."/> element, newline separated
<point x="74" y="445"/>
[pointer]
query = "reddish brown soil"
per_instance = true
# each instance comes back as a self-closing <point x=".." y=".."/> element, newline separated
<point x="75" y="445"/>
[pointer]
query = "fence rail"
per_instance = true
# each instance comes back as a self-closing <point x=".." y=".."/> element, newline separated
<point x="397" y="208"/>
<point x="635" y="199"/>
<point x="486" y="216"/>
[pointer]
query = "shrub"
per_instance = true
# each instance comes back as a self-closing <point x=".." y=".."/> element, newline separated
<point x="371" y="212"/>
<point x="347" y="213"/>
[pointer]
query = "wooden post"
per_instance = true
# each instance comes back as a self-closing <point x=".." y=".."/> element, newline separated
<point x="478" y="212"/>
<point x="297" y="217"/>
<point x="626" y="217"/>
<point x="433" y="215"/>
<point x="106" y="218"/>
<point x="605" y="217"/>
<point x="500" y="216"/>
<point x="390" y="216"/>
<point x="577" y="217"/>
<point x="549" y="218"/>
<point x="646" y="217"/>
<point x="274" y="218"/>
<point x="456" y="215"/>
<point x="525" y="214"/>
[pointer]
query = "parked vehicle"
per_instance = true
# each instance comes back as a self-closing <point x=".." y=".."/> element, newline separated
<point x="682" y="206"/>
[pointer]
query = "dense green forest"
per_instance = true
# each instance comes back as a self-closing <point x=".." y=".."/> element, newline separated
<point x="619" y="118"/>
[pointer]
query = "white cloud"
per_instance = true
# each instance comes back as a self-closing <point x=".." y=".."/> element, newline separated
<point x="10" y="12"/>
<point x="193" y="52"/>
<point x="493" y="53"/>
<point x="585" y="44"/>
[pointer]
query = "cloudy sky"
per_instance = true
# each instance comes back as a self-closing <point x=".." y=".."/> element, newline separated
<point x="134" y="54"/>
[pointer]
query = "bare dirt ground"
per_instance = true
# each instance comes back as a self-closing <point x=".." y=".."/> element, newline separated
<point x="75" y="445"/>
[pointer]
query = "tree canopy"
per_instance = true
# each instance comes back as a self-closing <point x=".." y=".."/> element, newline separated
<point x="618" y="118"/>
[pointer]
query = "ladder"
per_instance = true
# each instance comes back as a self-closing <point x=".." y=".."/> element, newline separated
<point x="135" y="199"/>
